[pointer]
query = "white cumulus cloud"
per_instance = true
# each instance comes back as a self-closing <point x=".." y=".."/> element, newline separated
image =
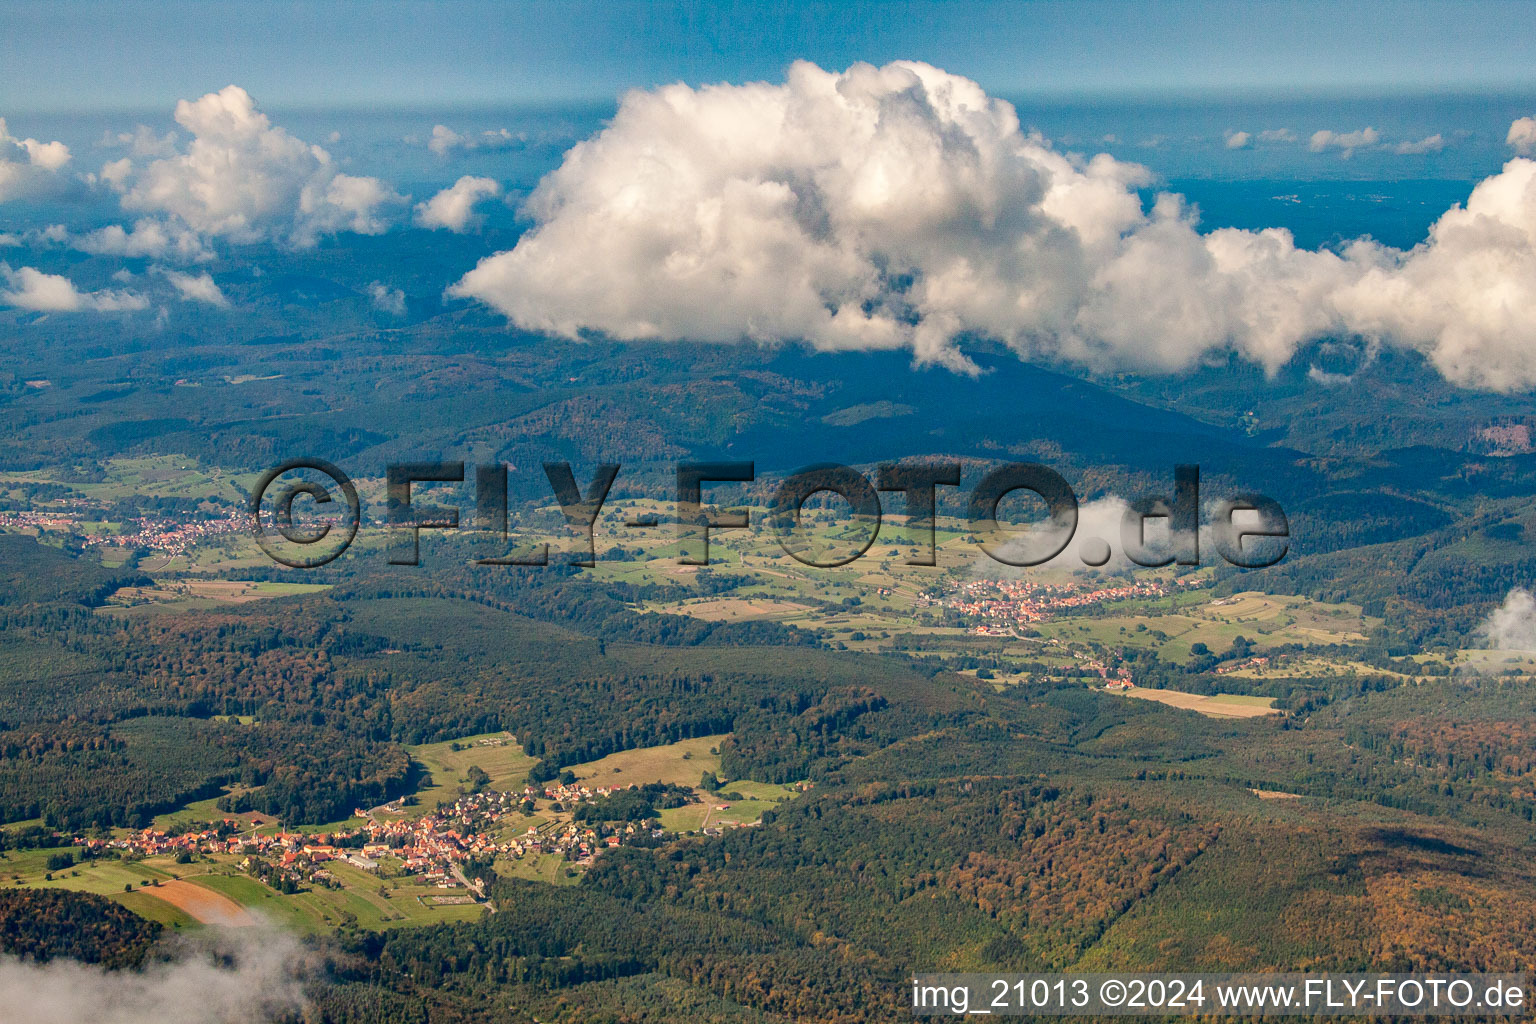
<point x="195" y="287"/>
<point x="454" y="207"/>
<point x="1466" y="296"/>
<point x="1522" y="136"/>
<point x="1512" y="625"/>
<point x="147" y="238"/>
<point x="445" y="140"/>
<point x="902" y="208"/>
<point x="31" y="289"/>
<point x="1239" y="140"/>
<point x="25" y="164"/>
<point x="1277" y="135"/>
<point x="244" y="179"/>
<point x="1429" y="144"/>
<point x="390" y="300"/>
<point x="1345" y="142"/>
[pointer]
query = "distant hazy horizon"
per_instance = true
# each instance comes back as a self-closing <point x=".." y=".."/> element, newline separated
<point x="387" y="53"/>
<point x="1322" y="197"/>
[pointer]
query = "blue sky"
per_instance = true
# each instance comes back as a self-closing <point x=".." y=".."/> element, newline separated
<point x="77" y="56"/>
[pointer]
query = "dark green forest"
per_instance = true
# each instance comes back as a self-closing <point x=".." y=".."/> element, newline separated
<point x="951" y="824"/>
<point x="41" y="924"/>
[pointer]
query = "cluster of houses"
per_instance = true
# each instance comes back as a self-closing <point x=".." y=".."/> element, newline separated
<point x="1003" y="603"/>
<point x="427" y="846"/>
<point x="582" y="842"/>
<point x="434" y="845"/>
<point x="471" y="827"/>
<point x="151" y="842"/>
<point x="568" y="794"/>
<point x="1257" y="662"/>
<point x="37" y="520"/>
<point x="172" y="536"/>
<point x="286" y="849"/>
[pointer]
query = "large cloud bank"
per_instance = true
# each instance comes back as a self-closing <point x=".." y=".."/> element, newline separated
<point x="902" y="208"/>
<point x="243" y="179"/>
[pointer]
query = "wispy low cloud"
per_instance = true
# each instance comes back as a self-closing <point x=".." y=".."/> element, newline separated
<point x="901" y="207"/>
<point x="1512" y="625"/>
<point x="250" y="976"/>
<point x="1106" y="535"/>
<point x="31" y="289"/>
<point x="1522" y="136"/>
<point x="147" y="238"/>
<point x="1345" y="142"/>
<point x="445" y="140"/>
<point x="142" y="141"/>
<point x="195" y="287"/>
<point x="151" y="239"/>
<point x="1095" y="542"/>
<point x="454" y="207"/>
<point x="389" y="300"/>
<point x="1429" y="144"/>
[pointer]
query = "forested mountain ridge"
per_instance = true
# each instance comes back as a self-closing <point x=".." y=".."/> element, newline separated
<point x="964" y="799"/>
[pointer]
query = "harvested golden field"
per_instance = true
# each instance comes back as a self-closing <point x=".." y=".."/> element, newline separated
<point x="680" y="764"/>
<point x="1221" y="705"/>
<point x="205" y="905"/>
<point x="730" y="609"/>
